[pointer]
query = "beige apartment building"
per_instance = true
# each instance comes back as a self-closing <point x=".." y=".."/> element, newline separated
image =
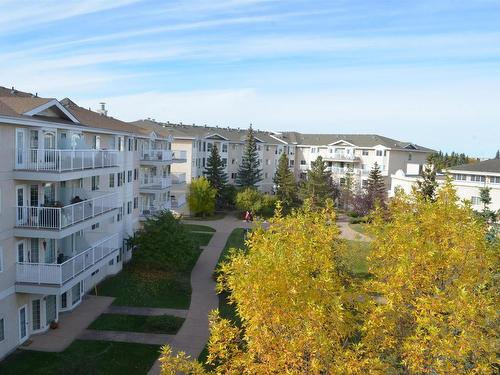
<point x="74" y="184"/>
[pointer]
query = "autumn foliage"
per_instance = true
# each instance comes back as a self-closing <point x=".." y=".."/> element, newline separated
<point x="429" y="307"/>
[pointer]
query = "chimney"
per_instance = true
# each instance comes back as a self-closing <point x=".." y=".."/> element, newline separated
<point x="103" y="111"/>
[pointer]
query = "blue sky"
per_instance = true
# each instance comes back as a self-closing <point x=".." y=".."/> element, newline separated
<point x="420" y="71"/>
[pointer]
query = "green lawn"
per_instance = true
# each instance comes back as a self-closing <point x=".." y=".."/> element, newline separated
<point x="137" y="285"/>
<point x="360" y="228"/>
<point x="356" y="257"/>
<point x="198" y="228"/>
<point x="138" y="323"/>
<point x="84" y="358"/>
<point x="235" y="240"/>
<point x="216" y="216"/>
<point x="201" y="238"/>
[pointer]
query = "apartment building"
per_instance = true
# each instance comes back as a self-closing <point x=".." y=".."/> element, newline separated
<point x="197" y="142"/>
<point x="358" y="152"/>
<point x="467" y="179"/>
<point x="73" y="185"/>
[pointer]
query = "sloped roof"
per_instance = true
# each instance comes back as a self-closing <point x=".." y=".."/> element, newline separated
<point x="491" y="165"/>
<point x="5" y="91"/>
<point x="21" y="104"/>
<point x="359" y="140"/>
<point x="96" y="120"/>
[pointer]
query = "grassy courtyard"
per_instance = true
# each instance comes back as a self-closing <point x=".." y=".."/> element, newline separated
<point x="138" y="323"/>
<point x="84" y="358"/>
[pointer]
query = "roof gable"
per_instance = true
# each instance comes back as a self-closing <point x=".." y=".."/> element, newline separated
<point x="342" y="143"/>
<point x="216" y="136"/>
<point x="52" y="108"/>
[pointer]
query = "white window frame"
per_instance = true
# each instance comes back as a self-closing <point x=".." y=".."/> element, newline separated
<point x="1" y="259"/>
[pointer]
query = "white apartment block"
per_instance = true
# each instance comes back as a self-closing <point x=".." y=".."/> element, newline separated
<point x="341" y="152"/>
<point x="73" y="186"/>
<point x="467" y="179"/>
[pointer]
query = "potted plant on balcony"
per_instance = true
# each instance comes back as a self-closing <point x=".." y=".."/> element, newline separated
<point x="54" y="325"/>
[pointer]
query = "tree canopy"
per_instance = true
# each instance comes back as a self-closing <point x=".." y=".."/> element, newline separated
<point x="442" y="160"/>
<point x="317" y="186"/>
<point x="214" y="170"/>
<point x="201" y="197"/>
<point x="249" y="172"/>
<point x="427" y="185"/>
<point x="286" y="186"/>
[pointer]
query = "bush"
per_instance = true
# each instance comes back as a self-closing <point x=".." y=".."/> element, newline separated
<point x="256" y="202"/>
<point x="201" y="198"/>
<point x="165" y="243"/>
<point x="227" y="197"/>
<point x="358" y="220"/>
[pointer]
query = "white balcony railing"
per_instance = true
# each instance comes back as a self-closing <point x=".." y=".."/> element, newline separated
<point x="342" y="156"/>
<point x="179" y="155"/>
<point x="344" y="170"/>
<point x="147" y="211"/>
<point x="59" y="274"/>
<point x="178" y="201"/>
<point x="65" y="160"/>
<point x="154" y="182"/>
<point x="62" y="217"/>
<point x="178" y="178"/>
<point x="156" y="155"/>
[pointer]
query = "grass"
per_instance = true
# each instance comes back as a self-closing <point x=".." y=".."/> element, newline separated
<point x="137" y="285"/>
<point x="356" y="257"/>
<point x="235" y="240"/>
<point x="360" y="228"/>
<point x="198" y="228"/>
<point x="83" y="358"/>
<point x="138" y="323"/>
<point x="215" y="216"/>
<point x="201" y="238"/>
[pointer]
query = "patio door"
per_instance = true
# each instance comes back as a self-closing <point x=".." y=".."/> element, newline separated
<point x="22" y="252"/>
<point x="21" y="202"/>
<point x="20" y="148"/>
<point x="36" y="321"/>
<point x="50" y="309"/>
<point x="23" y="324"/>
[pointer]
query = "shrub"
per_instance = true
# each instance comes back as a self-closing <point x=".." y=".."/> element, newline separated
<point x="201" y="197"/>
<point x="165" y="243"/>
<point x="256" y="202"/>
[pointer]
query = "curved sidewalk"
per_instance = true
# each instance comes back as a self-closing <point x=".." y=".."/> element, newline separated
<point x="194" y="333"/>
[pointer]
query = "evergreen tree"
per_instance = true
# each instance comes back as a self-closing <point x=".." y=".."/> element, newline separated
<point x="286" y="186"/>
<point x="427" y="185"/>
<point x="249" y="173"/>
<point x="497" y="155"/>
<point x="347" y="189"/>
<point x="214" y="171"/>
<point x="376" y="187"/>
<point x="317" y="185"/>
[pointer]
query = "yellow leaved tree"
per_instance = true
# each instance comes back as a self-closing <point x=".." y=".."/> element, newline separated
<point x="436" y="275"/>
<point x="293" y="298"/>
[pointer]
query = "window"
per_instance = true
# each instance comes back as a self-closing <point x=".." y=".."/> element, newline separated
<point x="313" y="150"/>
<point x="111" y="180"/>
<point x="95" y="183"/>
<point x="267" y="148"/>
<point x="204" y="146"/>
<point x="410" y="156"/>
<point x="380" y="153"/>
<point x="266" y="175"/>
<point x="129" y="207"/>
<point x="136" y="202"/>
<point x="64" y="300"/>
<point x="233" y="161"/>
<point x="233" y="176"/>
<point x="121" y="144"/>
<point x="75" y="293"/>
<point x="119" y="215"/>
<point x="121" y="178"/>
<point x="476" y="200"/>
<point x="302" y="162"/>
<point x="365" y="152"/>
<point x="292" y="163"/>
<point x="224" y="147"/>
<point x="130" y="144"/>
<point x="136" y="174"/>
<point x="268" y="162"/>
<point x="477" y="178"/>
<point x="364" y="184"/>
<point x="95" y="226"/>
<point x="1" y="259"/>
<point x="135" y="144"/>
<point x="459" y="177"/>
<point x="209" y="147"/>
<point x="111" y="262"/>
<point x="495" y="179"/>
<point x="35" y="310"/>
<point x="203" y="163"/>
<point x="97" y="142"/>
<point x="224" y="162"/>
<point x="129" y="176"/>
<point x="2" y="329"/>
<point x="258" y="148"/>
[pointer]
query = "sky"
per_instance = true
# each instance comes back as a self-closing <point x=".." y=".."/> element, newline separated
<point x="425" y="71"/>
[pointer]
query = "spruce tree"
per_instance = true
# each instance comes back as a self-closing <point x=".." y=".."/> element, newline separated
<point x="286" y="186"/>
<point x="376" y="187"/>
<point x="427" y="185"/>
<point x="347" y="188"/>
<point x="497" y="155"/>
<point x="249" y="173"/>
<point x="317" y="185"/>
<point x="214" y="171"/>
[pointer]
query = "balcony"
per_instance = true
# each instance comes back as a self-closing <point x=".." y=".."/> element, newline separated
<point x="60" y="218"/>
<point x="178" y="178"/>
<point x="344" y="170"/>
<point x="57" y="165"/>
<point x="342" y="156"/>
<point x="156" y="156"/>
<point x="178" y="201"/>
<point x="147" y="211"/>
<point x="73" y="269"/>
<point x="151" y="183"/>
<point x="179" y="156"/>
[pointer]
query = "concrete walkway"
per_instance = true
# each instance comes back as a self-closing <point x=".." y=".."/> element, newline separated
<point x="121" y="336"/>
<point x="147" y="311"/>
<point x="347" y="232"/>
<point x="71" y="324"/>
<point x="193" y="335"/>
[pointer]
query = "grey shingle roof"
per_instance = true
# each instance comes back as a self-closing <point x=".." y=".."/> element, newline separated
<point x="360" y="140"/>
<point x="492" y="166"/>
